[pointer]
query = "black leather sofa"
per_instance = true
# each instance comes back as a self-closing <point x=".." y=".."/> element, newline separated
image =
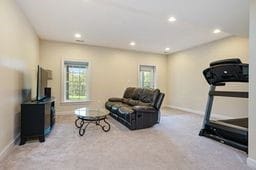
<point x="139" y="108"/>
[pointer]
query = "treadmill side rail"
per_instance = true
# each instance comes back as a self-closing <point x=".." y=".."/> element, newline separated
<point x="229" y="94"/>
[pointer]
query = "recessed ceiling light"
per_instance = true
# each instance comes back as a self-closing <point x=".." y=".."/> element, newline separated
<point x="132" y="43"/>
<point x="77" y="35"/>
<point x="216" y="31"/>
<point x="167" y="49"/>
<point x="172" y="19"/>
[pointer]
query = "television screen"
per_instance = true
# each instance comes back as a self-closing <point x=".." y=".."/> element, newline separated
<point x="42" y="78"/>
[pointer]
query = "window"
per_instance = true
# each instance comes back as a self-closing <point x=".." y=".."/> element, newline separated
<point x="75" y="81"/>
<point x="147" y="76"/>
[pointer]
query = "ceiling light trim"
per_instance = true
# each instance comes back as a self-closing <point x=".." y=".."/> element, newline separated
<point x="172" y="19"/>
<point x="132" y="43"/>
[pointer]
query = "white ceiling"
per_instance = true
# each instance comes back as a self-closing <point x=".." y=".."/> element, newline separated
<point x="114" y="23"/>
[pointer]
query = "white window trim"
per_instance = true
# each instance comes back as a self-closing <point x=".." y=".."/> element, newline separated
<point x="155" y="74"/>
<point x="62" y="88"/>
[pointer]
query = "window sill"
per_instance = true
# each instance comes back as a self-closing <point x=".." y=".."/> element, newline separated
<point x="76" y="102"/>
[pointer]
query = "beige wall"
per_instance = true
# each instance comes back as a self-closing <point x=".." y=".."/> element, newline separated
<point x="187" y="87"/>
<point x="18" y="58"/>
<point x="111" y="70"/>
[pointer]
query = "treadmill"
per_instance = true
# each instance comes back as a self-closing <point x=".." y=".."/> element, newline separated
<point x="233" y="132"/>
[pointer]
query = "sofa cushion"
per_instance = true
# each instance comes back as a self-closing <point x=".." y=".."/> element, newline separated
<point x="109" y="104"/>
<point x="126" y="101"/>
<point x="149" y="95"/>
<point x="137" y="93"/>
<point x="143" y="104"/>
<point x="129" y="92"/>
<point x="115" y="99"/>
<point x="132" y="102"/>
<point x="126" y="113"/>
<point x="126" y="110"/>
<point x="116" y="106"/>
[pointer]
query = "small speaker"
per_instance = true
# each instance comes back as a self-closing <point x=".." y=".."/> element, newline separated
<point x="47" y="92"/>
<point x="26" y="95"/>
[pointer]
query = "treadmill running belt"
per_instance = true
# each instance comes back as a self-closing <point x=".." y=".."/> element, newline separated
<point x="242" y="122"/>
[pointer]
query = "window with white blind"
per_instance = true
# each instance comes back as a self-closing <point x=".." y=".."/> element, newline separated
<point x="75" y="85"/>
<point x="147" y="76"/>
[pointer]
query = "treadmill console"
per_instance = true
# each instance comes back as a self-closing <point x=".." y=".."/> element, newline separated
<point x="230" y="70"/>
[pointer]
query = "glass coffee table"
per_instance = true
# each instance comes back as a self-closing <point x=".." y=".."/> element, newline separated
<point x="85" y="116"/>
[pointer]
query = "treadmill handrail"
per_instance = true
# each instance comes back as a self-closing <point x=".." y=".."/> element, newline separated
<point x="229" y="94"/>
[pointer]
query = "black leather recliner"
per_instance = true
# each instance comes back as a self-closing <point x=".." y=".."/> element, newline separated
<point x="139" y="108"/>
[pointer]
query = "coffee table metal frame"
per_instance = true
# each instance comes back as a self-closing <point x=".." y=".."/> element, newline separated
<point x="82" y="123"/>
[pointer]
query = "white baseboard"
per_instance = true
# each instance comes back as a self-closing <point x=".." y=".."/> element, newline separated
<point x="251" y="163"/>
<point x="217" y="116"/>
<point x="64" y="113"/>
<point x="8" y="148"/>
<point x="165" y="106"/>
<point x="185" y="109"/>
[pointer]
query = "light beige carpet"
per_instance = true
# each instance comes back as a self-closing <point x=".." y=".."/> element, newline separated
<point x="173" y="144"/>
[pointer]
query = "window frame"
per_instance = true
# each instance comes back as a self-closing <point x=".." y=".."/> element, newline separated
<point x="63" y="80"/>
<point x="154" y="75"/>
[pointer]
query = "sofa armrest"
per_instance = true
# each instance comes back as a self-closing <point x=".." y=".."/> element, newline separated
<point x="144" y="109"/>
<point x="115" y="99"/>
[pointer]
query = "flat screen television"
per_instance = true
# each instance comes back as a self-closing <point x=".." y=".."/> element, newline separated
<point x="42" y="78"/>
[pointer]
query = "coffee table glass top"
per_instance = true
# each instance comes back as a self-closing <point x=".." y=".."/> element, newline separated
<point x="88" y="113"/>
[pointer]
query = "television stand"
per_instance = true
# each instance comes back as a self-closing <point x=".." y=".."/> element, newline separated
<point x="37" y="119"/>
